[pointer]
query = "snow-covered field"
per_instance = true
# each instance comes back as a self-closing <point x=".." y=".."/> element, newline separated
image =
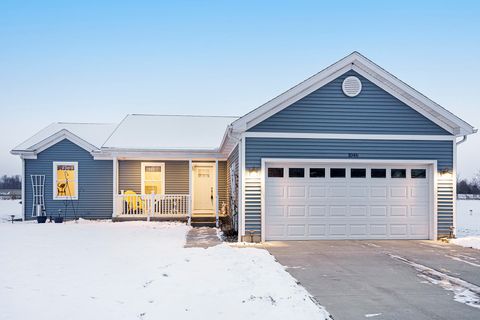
<point x="468" y="218"/>
<point x="139" y="270"/>
<point x="9" y="207"/>
<point x="468" y="224"/>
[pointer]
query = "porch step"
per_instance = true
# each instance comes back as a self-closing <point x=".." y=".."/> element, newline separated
<point x="198" y="222"/>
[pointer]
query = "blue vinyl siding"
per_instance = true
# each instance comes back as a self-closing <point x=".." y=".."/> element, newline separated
<point x="95" y="182"/>
<point x="258" y="148"/>
<point x="328" y="110"/>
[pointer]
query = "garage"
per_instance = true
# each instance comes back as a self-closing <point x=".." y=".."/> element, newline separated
<point x="348" y="200"/>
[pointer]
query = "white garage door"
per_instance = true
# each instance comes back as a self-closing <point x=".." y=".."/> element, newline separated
<point x="346" y="201"/>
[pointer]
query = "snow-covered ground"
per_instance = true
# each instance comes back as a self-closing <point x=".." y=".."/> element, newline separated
<point x="9" y="207"/>
<point x="139" y="270"/>
<point x="468" y="218"/>
<point x="468" y="224"/>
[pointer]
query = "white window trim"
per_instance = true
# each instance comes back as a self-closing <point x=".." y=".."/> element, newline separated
<point x="75" y="165"/>
<point x="153" y="164"/>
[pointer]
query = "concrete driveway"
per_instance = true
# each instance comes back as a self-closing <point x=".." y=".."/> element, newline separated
<point x="386" y="279"/>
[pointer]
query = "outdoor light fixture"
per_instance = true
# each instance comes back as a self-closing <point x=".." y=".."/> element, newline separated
<point x="253" y="173"/>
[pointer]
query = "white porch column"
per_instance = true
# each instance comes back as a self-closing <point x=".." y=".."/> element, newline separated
<point x="241" y="189"/>
<point x="216" y="194"/>
<point x="190" y="189"/>
<point x="115" y="186"/>
<point x="23" y="189"/>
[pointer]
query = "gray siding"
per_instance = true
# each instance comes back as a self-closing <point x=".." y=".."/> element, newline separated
<point x="95" y="182"/>
<point x="232" y="204"/>
<point x="258" y="148"/>
<point x="328" y="110"/>
<point x="176" y="176"/>
<point x="222" y="184"/>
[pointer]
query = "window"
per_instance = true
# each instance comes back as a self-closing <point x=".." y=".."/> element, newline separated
<point x="153" y="178"/>
<point x="275" y="172"/>
<point x="398" y="173"/>
<point x="419" y="173"/>
<point x="358" y="173"/>
<point x="296" y="172"/>
<point x="317" y="172"/>
<point x="379" y="173"/>
<point x="337" y="172"/>
<point x="65" y="180"/>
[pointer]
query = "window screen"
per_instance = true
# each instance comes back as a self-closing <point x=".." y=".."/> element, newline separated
<point x="398" y="173"/>
<point x="379" y="173"/>
<point x="296" y="172"/>
<point x="317" y="172"/>
<point x="419" y="173"/>
<point x="337" y="172"/>
<point x="358" y="173"/>
<point x="275" y="172"/>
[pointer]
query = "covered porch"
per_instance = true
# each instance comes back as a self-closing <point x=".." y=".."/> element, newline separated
<point x="186" y="190"/>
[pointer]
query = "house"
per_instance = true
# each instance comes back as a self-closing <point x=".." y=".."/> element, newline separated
<point x="350" y="153"/>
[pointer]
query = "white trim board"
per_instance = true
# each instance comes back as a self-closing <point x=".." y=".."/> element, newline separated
<point x="370" y="71"/>
<point x="31" y="152"/>
<point x="433" y="192"/>
<point x="347" y="136"/>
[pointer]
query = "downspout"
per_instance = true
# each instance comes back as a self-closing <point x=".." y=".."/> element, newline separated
<point x="229" y="133"/>
<point x="462" y="141"/>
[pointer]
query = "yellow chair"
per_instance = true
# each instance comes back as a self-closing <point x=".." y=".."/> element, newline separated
<point x="134" y="201"/>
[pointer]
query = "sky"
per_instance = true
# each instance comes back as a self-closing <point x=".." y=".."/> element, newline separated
<point x="96" y="61"/>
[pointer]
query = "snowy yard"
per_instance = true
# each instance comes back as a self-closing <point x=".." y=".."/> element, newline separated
<point x="139" y="270"/>
<point x="468" y="224"/>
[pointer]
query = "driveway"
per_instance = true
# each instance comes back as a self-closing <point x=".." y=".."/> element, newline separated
<point x="386" y="279"/>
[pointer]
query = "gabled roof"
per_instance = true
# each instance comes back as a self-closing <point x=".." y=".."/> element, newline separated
<point x="89" y="136"/>
<point x="371" y="71"/>
<point x="146" y="132"/>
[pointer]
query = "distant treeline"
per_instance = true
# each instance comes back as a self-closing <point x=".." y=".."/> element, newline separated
<point x="11" y="182"/>
<point x="465" y="186"/>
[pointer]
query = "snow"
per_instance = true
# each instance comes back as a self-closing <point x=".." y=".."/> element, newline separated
<point x="139" y="270"/>
<point x="468" y="218"/>
<point x="162" y="132"/>
<point x="469" y="242"/>
<point x="468" y="224"/>
<point x="9" y="207"/>
<point x="93" y="133"/>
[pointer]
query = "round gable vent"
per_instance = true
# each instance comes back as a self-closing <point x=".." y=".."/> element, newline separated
<point x="351" y="86"/>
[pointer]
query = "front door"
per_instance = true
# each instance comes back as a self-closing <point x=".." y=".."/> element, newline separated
<point x="204" y="188"/>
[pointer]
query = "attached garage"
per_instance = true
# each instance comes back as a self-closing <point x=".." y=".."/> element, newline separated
<point x="350" y="153"/>
<point x="348" y="200"/>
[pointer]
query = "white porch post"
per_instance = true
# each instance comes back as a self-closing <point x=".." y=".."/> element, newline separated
<point x="190" y="189"/>
<point x="216" y="194"/>
<point x="23" y="189"/>
<point x="115" y="186"/>
<point x="241" y="189"/>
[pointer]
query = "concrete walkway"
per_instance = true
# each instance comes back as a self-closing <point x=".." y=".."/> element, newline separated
<point x="386" y="279"/>
<point x="203" y="237"/>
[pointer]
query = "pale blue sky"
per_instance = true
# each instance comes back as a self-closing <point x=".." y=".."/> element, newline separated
<point x="90" y="62"/>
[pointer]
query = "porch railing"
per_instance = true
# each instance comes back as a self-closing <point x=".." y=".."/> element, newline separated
<point x="153" y="205"/>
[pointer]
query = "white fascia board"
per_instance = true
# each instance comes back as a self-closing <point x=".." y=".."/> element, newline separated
<point x="55" y="138"/>
<point x="434" y="108"/>
<point x="372" y="72"/>
<point x="295" y="135"/>
<point x="291" y="96"/>
<point x="158" y="155"/>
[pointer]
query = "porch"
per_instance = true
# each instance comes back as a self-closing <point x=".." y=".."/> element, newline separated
<point x="181" y="190"/>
